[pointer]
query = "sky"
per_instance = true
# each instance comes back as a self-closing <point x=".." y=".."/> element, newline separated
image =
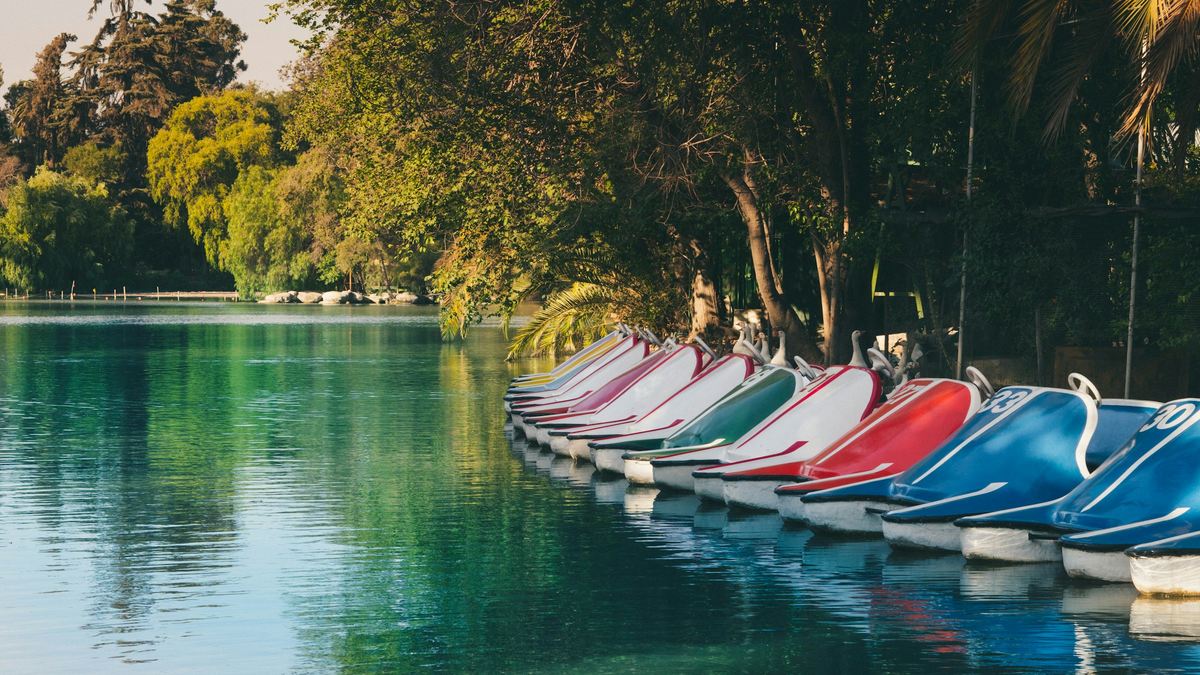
<point x="27" y="26"/>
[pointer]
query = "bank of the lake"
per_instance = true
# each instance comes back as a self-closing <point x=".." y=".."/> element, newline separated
<point x="230" y="487"/>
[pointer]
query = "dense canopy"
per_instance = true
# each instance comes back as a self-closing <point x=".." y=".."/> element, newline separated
<point x="665" y="163"/>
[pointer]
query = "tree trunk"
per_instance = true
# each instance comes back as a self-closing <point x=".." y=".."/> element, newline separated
<point x="705" y="314"/>
<point x="774" y="301"/>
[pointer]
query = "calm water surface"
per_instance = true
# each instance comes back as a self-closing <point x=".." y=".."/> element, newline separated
<point x="230" y="488"/>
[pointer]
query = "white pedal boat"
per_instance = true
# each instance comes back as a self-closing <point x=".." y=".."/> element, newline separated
<point x="916" y="418"/>
<point x="727" y="420"/>
<point x="646" y="392"/>
<point x="681" y="407"/>
<point x="531" y="415"/>
<point x="826" y="409"/>
<point x="590" y="377"/>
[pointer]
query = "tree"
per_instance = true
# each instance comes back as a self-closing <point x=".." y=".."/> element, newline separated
<point x="139" y="67"/>
<point x="94" y="163"/>
<point x="1057" y="45"/>
<point x="60" y="230"/>
<point x="263" y="251"/>
<point x="205" y="146"/>
<point x="38" y="113"/>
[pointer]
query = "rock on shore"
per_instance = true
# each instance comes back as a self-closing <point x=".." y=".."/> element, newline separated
<point x="345" y="298"/>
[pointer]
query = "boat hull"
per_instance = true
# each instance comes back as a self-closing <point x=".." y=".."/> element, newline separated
<point x="609" y="459"/>
<point x="639" y="471"/>
<point x="711" y="487"/>
<point x="1166" y="575"/>
<point x="846" y="517"/>
<point x="1007" y="544"/>
<point x="928" y="536"/>
<point x="559" y="445"/>
<point x="672" y="476"/>
<point x="1111" y="566"/>
<point x="792" y="508"/>
<point x="756" y="495"/>
<point x="579" y="449"/>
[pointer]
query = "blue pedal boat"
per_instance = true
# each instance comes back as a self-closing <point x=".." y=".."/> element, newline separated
<point x="1141" y="482"/>
<point x="1169" y="566"/>
<point x="1025" y="445"/>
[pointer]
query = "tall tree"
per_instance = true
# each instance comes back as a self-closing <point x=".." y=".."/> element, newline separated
<point x="37" y="109"/>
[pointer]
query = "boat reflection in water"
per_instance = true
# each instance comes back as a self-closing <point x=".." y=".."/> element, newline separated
<point x="1162" y="619"/>
<point x="968" y="615"/>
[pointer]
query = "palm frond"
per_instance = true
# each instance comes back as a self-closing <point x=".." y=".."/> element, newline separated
<point x="1170" y="33"/>
<point x="980" y="25"/>
<point x="1038" y="21"/>
<point x="1090" y="36"/>
<point x="577" y="314"/>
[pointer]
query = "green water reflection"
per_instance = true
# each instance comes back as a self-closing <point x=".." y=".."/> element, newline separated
<point x="224" y="488"/>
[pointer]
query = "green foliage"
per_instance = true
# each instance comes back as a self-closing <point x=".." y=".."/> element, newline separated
<point x="569" y="318"/>
<point x="195" y="159"/>
<point x="59" y="230"/>
<point x="263" y="251"/>
<point x="92" y="163"/>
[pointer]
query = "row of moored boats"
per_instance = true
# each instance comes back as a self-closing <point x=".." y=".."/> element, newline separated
<point x="1022" y="474"/>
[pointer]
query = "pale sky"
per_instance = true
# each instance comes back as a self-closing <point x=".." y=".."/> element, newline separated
<point x="26" y="26"/>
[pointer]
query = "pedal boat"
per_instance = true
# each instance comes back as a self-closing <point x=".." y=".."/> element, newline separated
<point x="591" y="377"/>
<point x="918" y="417"/>
<point x="835" y="402"/>
<point x="727" y="420"/>
<point x="651" y="389"/>
<point x="1026" y="444"/>
<point x="1120" y="490"/>
<point x="680" y="407"/>
<point x="532" y="415"/>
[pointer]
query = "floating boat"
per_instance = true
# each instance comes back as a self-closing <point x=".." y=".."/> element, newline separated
<point x="608" y="453"/>
<point x="570" y="378"/>
<point x="1026" y="444"/>
<point x="917" y="418"/>
<point x="537" y="417"/>
<point x="679" y="408"/>
<point x="725" y="421"/>
<point x="826" y="409"/>
<point x="587" y="354"/>
<point x="1125" y="488"/>
<point x="1145" y="499"/>
<point x="1171" y="565"/>
<point x="653" y="387"/>
<point x="605" y="391"/>
<point x="592" y="375"/>
<point x="1033" y="449"/>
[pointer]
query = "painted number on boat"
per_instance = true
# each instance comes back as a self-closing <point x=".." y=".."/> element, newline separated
<point x="1004" y="400"/>
<point x="1170" y="416"/>
<point x="905" y="393"/>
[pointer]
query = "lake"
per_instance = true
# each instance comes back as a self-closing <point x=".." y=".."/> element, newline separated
<point x="221" y="487"/>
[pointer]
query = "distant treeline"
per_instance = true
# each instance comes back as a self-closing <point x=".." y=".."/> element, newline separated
<point x="133" y="160"/>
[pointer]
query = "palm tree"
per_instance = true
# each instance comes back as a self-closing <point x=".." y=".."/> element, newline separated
<point x="1157" y="35"/>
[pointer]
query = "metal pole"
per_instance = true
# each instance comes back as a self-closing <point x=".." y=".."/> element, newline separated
<point x="962" y="282"/>
<point x="1137" y="222"/>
